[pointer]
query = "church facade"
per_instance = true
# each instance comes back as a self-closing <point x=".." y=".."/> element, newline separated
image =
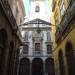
<point x="36" y="56"/>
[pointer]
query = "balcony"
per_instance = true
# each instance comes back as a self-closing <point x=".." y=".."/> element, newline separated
<point x="66" y="19"/>
<point x="68" y="16"/>
<point x="36" y="54"/>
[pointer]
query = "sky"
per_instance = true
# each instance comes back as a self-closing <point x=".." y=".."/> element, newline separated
<point x="27" y="6"/>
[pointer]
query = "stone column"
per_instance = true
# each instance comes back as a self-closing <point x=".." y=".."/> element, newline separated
<point x="5" y="61"/>
<point x="43" y="68"/>
<point x="18" y="68"/>
<point x="30" y="68"/>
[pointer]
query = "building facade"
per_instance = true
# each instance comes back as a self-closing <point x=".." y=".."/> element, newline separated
<point x="18" y="10"/>
<point x="38" y="9"/>
<point x="9" y="39"/>
<point x="63" y="17"/>
<point x="36" y="57"/>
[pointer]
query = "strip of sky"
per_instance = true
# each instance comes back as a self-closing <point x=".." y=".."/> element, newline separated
<point x="27" y="6"/>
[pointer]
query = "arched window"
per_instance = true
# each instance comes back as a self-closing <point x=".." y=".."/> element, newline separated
<point x="49" y="49"/>
<point x="37" y="48"/>
<point x="10" y="58"/>
<point x="3" y="46"/>
<point x="37" y="66"/>
<point x="49" y="66"/>
<point x="48" y="37"/>
<point x="37" y="8"/>
<point x="61" y="63"/>
<point x="24" y="66"/>
<point x="26" y="36"/>
<point x="70" y="58"/>
<point x="25" y="49"/>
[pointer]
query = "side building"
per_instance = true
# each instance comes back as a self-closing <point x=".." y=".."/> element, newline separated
<point x="63" y="17"/>
<point x="9" y="38"/>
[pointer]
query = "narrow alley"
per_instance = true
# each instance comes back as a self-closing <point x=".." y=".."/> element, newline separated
<point x="37" y="37"/>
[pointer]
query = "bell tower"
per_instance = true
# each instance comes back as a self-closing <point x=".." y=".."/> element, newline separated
<point x="37" y="9"/>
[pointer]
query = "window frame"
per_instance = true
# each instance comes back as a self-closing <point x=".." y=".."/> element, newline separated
<point x="62" y="8"/>
<point x="49" y="48"/>
<point x="25" y="49"/>
<point x="36" y="48"/>
<point x="37" y="8"/>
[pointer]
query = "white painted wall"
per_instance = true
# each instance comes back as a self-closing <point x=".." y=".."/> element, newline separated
<point x="42" y="14"/>
<point x="44" y="45"/>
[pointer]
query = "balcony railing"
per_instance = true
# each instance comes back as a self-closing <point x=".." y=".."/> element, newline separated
<point x="8" y="12"/>
<point x="70" y="13"/>
<point x="66" y="19"/>
<point x="36" y="54"/>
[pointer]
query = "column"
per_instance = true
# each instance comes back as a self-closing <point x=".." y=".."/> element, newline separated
<point x="18" y="68"/>
<point x="43" y="68"/>
<point x="30" y="68"/>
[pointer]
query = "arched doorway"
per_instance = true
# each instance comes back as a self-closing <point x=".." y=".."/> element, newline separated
<point x="49" y="66"/>
<point x="37" y="66"/>
<point x="24" y="67"/>
<point x="3" y="46"/>
<point x="11" y="59"/>
<point x="70" y="58"/>
<point x="61" y="63"/>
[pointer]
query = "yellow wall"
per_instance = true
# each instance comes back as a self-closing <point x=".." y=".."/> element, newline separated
<point x="70" y="37"/>
<point x="61" y="46"/>
<point x="53" y="24"/>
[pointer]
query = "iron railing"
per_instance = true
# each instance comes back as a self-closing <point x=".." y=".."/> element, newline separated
<point x="68" y="16"/>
